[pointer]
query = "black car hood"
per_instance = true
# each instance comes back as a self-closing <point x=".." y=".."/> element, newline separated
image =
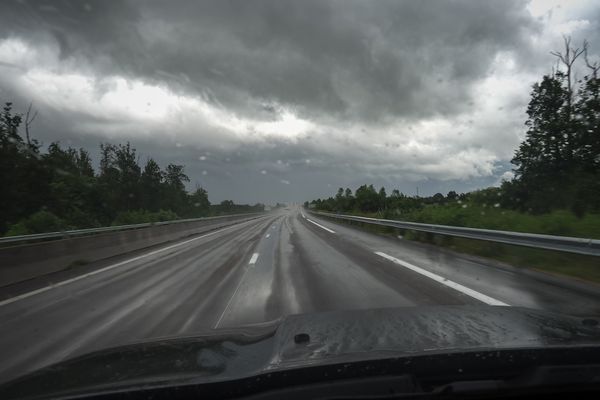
<point x="333" y="337"/>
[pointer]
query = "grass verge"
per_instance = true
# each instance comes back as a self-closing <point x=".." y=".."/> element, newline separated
<point x="577" y="266"/>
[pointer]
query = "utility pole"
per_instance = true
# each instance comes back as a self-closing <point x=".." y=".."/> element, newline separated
<point x="417" y="191"/>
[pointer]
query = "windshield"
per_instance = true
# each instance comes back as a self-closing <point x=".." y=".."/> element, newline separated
<point x="171" y="169"/>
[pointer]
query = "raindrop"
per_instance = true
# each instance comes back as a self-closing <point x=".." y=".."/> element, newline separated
<point x="497" y="205"/>
<point x="202" y="158"/>
<point x="263" y="172"/>
<point x="464" y="206"/>
<point x="205" y="172"/>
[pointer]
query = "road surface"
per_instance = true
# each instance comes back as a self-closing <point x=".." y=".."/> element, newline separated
<point x="283" y="263"/>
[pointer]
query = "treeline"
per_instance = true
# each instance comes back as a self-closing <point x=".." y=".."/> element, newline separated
<point x="367" y="200"/>
<point x="59" y="189"/>
<point x="557" y="166"/>
<point x="558" y="163"/>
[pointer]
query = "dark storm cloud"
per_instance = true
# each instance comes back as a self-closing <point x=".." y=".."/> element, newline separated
<point x="357" y="60"/>
<point x="389" y="92"/>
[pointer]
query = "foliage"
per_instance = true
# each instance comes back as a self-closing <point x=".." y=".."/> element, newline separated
<point x="144" y="216"/>
<point x="39" y="222"/>
<point x="59" y="189"/>
<point x="477" y="209"/>
<point x="558" y="163"/>
<point x="229" y="207"/>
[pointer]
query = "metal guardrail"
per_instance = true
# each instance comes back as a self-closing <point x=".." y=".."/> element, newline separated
<point x="92" y="231"/>
<point x="548" y="242"/>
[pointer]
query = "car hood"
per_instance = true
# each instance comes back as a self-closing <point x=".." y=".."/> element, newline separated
<point x="310" y="339"/>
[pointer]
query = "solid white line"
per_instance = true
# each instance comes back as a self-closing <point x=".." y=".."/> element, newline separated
<point x="253" y="258"/>
<point x="98" y="271"/>
<point x="456" y="286"/>
<point x="320" y="226"/>
<point x="303" y="216"/>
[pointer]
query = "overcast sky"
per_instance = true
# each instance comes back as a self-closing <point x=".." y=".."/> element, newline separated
<point x="286" y="101"/>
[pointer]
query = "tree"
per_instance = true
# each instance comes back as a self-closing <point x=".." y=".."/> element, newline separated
<point x="150" y="186"/>
<point x="174" y="186"/>
<point x="200" y="206"/>
<point x="348" y="199"/>
<point x="20" y="171"/>
<point x="568" y="59"/>
<point x="59" y="189"/>
<point x="543" y="156"/>
<point x="382" y="198"/>
<point x="558" y="162"/>
<point x="340" y="201"/>
<point x="129" y="177"/>
<point x="367" y="199"/>
<point x="438" y="198"/>
<point x="71" y="185"/>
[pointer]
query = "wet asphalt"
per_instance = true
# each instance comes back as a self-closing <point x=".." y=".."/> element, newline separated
<point x="286" y="262"/>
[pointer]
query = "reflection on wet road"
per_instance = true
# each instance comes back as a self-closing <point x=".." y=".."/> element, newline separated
<point x="285" y="263"/>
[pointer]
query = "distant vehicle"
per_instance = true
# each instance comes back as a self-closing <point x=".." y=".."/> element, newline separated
<point x="443" y="351"/>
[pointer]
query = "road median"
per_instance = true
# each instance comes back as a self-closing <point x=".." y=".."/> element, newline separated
<point x="24" y="261"/>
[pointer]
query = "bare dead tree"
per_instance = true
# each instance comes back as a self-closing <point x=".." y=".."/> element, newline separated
<point x="595" y="66"/>
<point x="568" y="58"/>
<point x="29" y="120"/>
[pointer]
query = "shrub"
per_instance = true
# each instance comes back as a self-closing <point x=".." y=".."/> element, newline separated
<point x="39" y="222"/>
<point x="143" y="216"/>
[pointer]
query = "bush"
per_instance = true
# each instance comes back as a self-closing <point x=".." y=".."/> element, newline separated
<point x="40" y="222"/>
<point x="77" y="219"/>
<point x="164" y="215"/>
<point x="144" y="216"/>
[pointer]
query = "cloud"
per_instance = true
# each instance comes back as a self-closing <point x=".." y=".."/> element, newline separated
<point x="310" y="92"/>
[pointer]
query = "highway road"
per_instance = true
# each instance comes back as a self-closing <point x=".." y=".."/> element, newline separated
<point x="283" y="263"/>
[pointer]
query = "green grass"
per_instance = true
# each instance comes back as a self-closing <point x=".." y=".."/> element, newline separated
<point x="560" y="222"/>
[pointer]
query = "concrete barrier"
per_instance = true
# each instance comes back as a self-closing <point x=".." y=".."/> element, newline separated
<point x="26" y="261"/>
